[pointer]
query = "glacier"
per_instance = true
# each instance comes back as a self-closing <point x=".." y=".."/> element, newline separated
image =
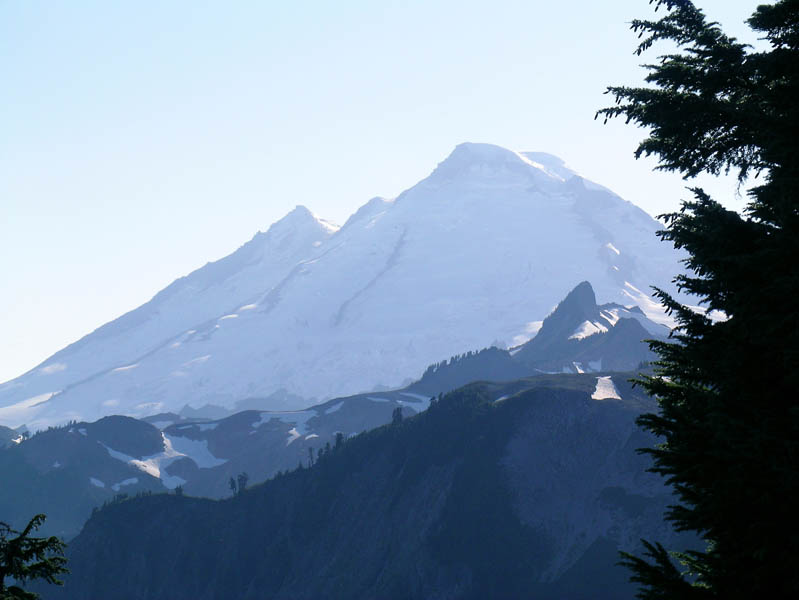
<point x="469" y="257"/>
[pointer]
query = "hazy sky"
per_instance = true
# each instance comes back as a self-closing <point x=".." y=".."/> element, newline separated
<point x="140" y="140"/>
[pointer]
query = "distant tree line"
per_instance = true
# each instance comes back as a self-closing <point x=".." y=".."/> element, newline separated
<point x="453" y="360"/>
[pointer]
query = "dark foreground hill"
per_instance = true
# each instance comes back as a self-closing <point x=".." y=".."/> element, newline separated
<point x="524" y="489"/>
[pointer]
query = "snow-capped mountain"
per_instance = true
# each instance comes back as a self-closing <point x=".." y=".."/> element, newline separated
<point x="581" y="336"/>
<point x="477" y="253"/>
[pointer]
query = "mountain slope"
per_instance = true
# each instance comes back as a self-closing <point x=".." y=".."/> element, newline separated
<point x="498" y="490"/>
<point x="474" y="254"/>
<point x="66" y="472"/>
<point x="202" y="455"/>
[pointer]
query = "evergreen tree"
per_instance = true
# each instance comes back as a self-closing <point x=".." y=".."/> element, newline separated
<point x="25" y="558"/>
<point x="727" y="390"/>
<point x="243" y="478"/>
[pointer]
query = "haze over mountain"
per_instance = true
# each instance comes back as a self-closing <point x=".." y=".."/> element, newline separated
<point x="65" y="472"/>
<point x="513" y="490"/>
<point x="477" y="253"/>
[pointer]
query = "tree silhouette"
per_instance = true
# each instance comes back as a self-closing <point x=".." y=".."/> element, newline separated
<point x="728" y="408"/>
<point x="24" y="558"/>
<point x="243" y="478"/>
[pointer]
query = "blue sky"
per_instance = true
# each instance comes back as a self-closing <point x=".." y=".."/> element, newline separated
<point x="142" y="139"/>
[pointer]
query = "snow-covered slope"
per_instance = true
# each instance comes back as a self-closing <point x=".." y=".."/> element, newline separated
<point x="476" y="253"/>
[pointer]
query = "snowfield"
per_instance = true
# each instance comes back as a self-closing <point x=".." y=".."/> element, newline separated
<point x="605" y="389"/>
<point x="477" y="253"/>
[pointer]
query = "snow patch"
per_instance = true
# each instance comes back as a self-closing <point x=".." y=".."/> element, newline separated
<point x="587" y="329"/>
<point x="125" y="368"/>
<point x="605" y="389"/>
<point x="311" y="436"/>
<point x="124" y="482"/>
<point x="612" y="248"/>
<point x="540" y="167"/>
<point x="96" y="482"/>
<point x="293" y="435"/>
<point x="330" y="227"/>
<point x="52" y="368"/>
<point x="196" y="450"/>
<point x="653" y="310"/>
<point x="377" y="399"/>
<point x="415" y="406"/>
<point x="420" y="397"/>
<point x="611" y="315"/>
<point x="156" y="464"/>
<point x="422" y="402"/>
<point x="529" y="331"/>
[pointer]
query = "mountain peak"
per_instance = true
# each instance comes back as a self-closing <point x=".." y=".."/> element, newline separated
<point x="317" y="313"/>
<point x="581" y="336"/>
<point x="469" y="154"/>
<point x="370" y="209"/>
<point x="471" y="160"/>
<point x="578" y="306"/>
<point x="582" y="297"/>
<point x="480" y="152"/>
<point x="300" y="217"/>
